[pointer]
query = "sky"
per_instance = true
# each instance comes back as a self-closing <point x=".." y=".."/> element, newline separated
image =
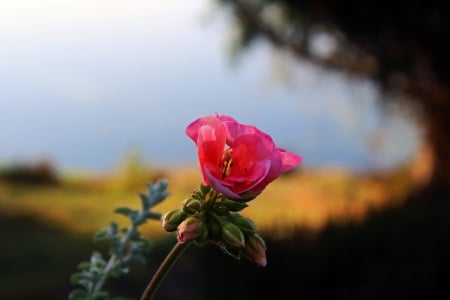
<point x="84" y="82"/>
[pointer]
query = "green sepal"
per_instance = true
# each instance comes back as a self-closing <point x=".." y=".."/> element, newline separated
<point x="204" y="234"/>
<point x="234" y="206"/>
<point x="232" y="251"/>
<point x="204" y="189"/>
<point x="245" y="224"/>
<point x="232" y="235"/>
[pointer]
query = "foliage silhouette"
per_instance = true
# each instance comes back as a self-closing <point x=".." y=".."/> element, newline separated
<point x="401" y="45"/>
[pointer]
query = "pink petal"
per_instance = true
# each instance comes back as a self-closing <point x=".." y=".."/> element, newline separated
<point x="218" y="185"/>
<point x="193" y="128"/>
<point x="210" y="144"/>
<point x="289" y="160"/>
<point x="256" y="175"/>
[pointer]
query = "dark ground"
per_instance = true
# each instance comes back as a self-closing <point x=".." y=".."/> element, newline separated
<point x="400" y="253"/>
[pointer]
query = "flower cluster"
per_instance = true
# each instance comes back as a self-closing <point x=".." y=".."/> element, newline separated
<point x="208" y="216"/>
<point x="237" y="162"/>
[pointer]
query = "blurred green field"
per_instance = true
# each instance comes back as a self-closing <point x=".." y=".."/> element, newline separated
<point x="84" y="203"/>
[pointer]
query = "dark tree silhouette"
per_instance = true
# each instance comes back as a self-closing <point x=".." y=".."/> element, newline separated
<point x="403" y="45"/>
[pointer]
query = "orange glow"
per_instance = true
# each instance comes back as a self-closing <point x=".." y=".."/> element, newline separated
<point x="309" y="199"/>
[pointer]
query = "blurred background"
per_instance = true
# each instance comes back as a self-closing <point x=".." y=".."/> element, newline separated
<point x="95" y="97"/>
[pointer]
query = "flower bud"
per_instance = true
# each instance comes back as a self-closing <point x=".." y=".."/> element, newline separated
<point x="191" y="229"/>
<point x="191" y="206"/>
<point x="245" y="224"/>
<point x="172" y="219"/>
<point x="232" y="235"/>
<point x="255" y="250"/>
<point x="196" y="194"/>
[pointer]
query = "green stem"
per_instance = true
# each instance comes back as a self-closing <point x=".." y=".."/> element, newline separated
<point x="213" y="198"/>
<point x="163" y="269"/>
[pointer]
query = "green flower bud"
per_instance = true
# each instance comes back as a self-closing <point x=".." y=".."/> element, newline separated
<point x="190" y="229"/>
<point x="196" y="194"/>
<point x="232" y="235"/>
<point x="245" y="224"/>
<point x="220" y="209"/>
<point x="191" y="206"/>
<point x="172" y="219"/>
<point x="215" y="229"/>
<point x="255" y="250"/>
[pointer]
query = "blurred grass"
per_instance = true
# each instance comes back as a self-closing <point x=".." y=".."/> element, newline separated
<point x="85" y="203"/>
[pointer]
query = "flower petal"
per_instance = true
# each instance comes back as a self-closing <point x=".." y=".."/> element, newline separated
<point x="218" y="185"/>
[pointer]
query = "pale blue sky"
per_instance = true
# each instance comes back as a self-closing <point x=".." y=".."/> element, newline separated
<point x="83" y="82"/>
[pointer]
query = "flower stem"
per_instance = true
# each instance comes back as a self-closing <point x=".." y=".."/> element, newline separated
<point x="213" y="198"/>
<point x="163" y="269"/>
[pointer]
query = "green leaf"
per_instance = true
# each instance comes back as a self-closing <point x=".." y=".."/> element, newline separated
<point x="144" y="244"/>
<point x="113" y="228"/>
<point x="84" y="265"/>
<point x="78" y="294"/>
<point x="119" y="240"/>
<point x="138" y="259"/>
<point x="75" y="278"/>
<point x="152" y="215"/>
<point x="125" y="211"/>
<point x="156" y="192"/>
<point x="136" y="218"/>
<point x="100" y="295"/>
<point x="109" y="236"/>
<point x="97" y="260"/>
<point x="145" y="201"/>
<point x="85" y="282"/>
<point x="119" y="270"/>
<point x="102" y="235"/>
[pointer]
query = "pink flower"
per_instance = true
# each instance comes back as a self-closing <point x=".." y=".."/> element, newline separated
<point x="237" y="160"/>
